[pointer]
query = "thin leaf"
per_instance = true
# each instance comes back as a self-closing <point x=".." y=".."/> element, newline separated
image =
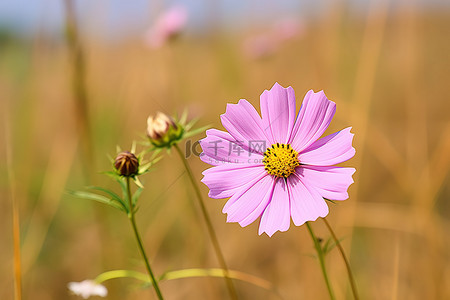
<point x="145" y="168"/>
<point x="113" y="175"/>
<point x="123" y="186"/>
<point x="114" y="196"/>
<point x="121" y="274"/>
<point x="133" y="147"/>
<point x="136" y="195"/>
<point x="331" y="245"/>
<point x="188" y="273"/>
<point x="183" y="117"/>
<point x="138" y="182"/>
<point x="96" y="197"/>
<point x="191" y="124"/>
<point x="216" y="272"/>
<point x="196" y="131"/>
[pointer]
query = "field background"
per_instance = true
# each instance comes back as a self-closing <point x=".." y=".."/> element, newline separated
<point x="387" y="66"/>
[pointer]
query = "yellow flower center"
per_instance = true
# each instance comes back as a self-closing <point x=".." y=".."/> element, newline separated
<point x="280" y="160"/>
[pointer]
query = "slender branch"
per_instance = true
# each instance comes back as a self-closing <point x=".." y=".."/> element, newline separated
<point x="132" y="218"/>
<point x="347" y="264"/>
<point x="320" y="254"/>
<point x="212" y="233"/>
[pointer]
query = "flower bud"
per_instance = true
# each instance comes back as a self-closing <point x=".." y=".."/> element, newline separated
<point x="162" y="130"/>
<point x="127" y="164"/>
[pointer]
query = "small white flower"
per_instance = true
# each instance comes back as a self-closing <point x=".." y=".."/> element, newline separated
<point x="87" y="288"/>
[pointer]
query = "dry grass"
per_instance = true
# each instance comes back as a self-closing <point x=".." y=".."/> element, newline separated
<point x="388" y="73"/>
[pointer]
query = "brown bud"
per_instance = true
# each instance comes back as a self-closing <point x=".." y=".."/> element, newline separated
<point x="126" y="163"/>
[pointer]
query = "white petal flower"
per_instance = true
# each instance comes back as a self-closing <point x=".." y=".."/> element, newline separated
<point x="87" y="288"/>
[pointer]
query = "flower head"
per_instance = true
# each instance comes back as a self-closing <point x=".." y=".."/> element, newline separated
<point x="275" y="167"/>
<point x="162" y="130"/>
<point x="127" y="164"/>
<point x="87" y="288"/>
<point x="167" y="26"/>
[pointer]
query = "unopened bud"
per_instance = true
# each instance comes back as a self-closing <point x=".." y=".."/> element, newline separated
<point x="127" y="164"/>
<point x="162" y="130"/>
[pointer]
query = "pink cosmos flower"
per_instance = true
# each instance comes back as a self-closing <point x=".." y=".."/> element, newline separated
<point x="275" y="166"/>
<point x="168" y="25"/>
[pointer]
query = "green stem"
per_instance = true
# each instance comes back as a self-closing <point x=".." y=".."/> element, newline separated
<point x="212" y="233"/>
<point x="131" y="216"/>
<point x="347" y="264"/>
<point x="320" y="254"/>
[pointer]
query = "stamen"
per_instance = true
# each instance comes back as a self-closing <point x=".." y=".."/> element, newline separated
<point x="280" y="161"/>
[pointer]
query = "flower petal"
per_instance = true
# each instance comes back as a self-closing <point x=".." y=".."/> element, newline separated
<point x="220" y="147"/>
<point x="244" y="124"/>
<point x="246" y="206"/>
<point x="228" y="179"/>
<point x="331" y="182"/>
<point x="278" y="113"/>
<point x="306" y="203"/>
<point x="330" y="150"/>
<point x="313" y="119"/>
<point x="276" y="215"/>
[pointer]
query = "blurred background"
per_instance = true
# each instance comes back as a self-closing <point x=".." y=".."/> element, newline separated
<point x="78" y="78"/>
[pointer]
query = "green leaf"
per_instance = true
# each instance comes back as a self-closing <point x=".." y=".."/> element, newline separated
<point x="133" y="147"/>
<point x="183" y="117"/>
<point x="138" y="182"/>
<point x="113" y="175"/>
<point x="191" y="124"/>
<point x="196" y="131"/>
<point x="123" y="186"/>
<point x="114" y="196"/>
<point x="329" y="245"/>
<point x="216" y="272"/>
<point x="136" y="195"/>
<point x="96" y="197"/>
<point x="187" y="273"/>
<point x="121" y="274"/>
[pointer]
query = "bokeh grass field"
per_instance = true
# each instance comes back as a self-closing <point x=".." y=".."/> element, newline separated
<point x="388" y="70"/>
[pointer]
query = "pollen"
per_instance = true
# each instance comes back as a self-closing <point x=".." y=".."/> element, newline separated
<point x="280" y="160"/>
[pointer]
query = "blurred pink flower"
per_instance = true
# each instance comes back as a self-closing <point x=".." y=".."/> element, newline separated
<point x="287" y="29"/>
<point x="275" y="166"/>
<point x="260" y="46"/>
<point x="87" y="288"/>
<point x="266" y="44"/>
<point x="167" y="26"/>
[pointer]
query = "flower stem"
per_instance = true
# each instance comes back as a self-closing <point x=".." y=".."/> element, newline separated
<point x="320" y="254"/>
<point x="212" y="233"/>
<point x="131" y="216"/>
<point x="347" y="264"/>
